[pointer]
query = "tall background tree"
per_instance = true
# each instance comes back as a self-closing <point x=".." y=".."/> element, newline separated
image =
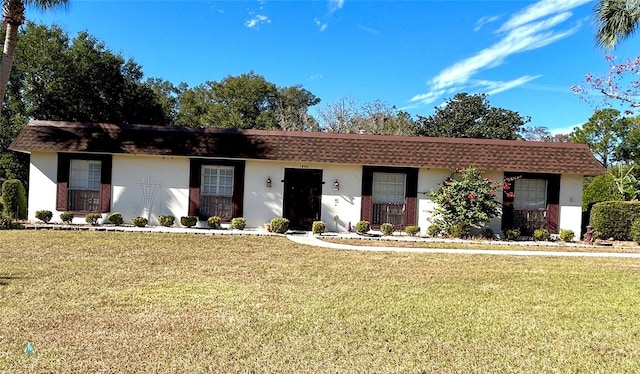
<point x="247" y="101"/>
<point x="605" y="133"/>
<point x="471" y="116"/>
<point x="347" y="115"/>
<point x="13" y="16"/>
<point x="58" y="78"/>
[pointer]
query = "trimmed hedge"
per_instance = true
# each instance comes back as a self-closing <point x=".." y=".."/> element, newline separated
<point x="189" y="221"/>
<point x="14" y="198"/>
<point x="613" y="219"/>
<point x="279" y="225"/>
<point x="239" y="223"/>
<point x="602" y="188"/>
<point x="318" y="227"/>
<point x="44" y="215"/>
<point x="214" y="222"/>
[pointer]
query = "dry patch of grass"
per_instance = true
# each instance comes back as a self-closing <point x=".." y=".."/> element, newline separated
<point x="141" y="302"/>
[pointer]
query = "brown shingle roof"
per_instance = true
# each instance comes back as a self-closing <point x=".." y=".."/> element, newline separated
<point x="449" y="153"/>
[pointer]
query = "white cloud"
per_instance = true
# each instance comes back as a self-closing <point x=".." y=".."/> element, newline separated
<point x="495" y="87"/>
<point x="257" y="20"/>
<point x="335" y="5"/>
<point x="484" y="21"/>
<point x="321" y="25"/>
<point x="539" y="10"/>
<point x="532" y="28"/>
<point x="368" y="29"/>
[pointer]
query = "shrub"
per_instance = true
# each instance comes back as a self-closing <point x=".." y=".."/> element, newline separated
<point x="613" y="219"/>
<point x="602" y="188"/>
<point x="434" y="229"/>
<point x="239" y="223"/>
<point x="188" y="221"/>
<point x="14" y="198"/>
<point x="412" y="230"/>
<point x="387" y="229"/>
<point x="44" y="215"/>
<point x="459" y="230"/>
<point x="5" y="221"/>
<point x="166" y="220"/>
<point x="279" y="225"/>
<point x="66" y="217"/>
<point x="512" y="234"/>
<point x="635" y="231"/>
<point x="139" y="221"/>
<point x="116" y="219"/>
<point x="487" y="233"/>
<point x="541" y="235"/>
<point x="92" y="218"/>
<point x="567" y="235"/>
<point x="467" y="199"/>
<point x="318" y="227"/>
<point x="214" y="222"/>
<point x="363" y="227"/>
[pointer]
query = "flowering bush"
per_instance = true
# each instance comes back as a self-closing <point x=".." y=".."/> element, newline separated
<point x="467" y="199"/>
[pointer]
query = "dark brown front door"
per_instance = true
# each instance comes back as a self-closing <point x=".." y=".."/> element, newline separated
<point x="302" y="197"/>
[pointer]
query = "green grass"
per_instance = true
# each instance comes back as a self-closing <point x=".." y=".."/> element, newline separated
<point x="142" y="302"/>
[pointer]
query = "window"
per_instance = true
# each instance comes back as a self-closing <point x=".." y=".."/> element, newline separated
<point x="530" y="194"/>
<point x="85" y="175"/>
<point x="216" y="191"/>
<point x="84" y="182"/>
<point x="84" y="185"/>
<point x="388" y="195"/>
<point x="216" y="187"/>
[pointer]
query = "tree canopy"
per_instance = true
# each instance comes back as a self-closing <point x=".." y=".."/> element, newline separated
<point x="605" y="133"/>
<point x="346" y="115"/>
<point x="79" y="79"/>
<point x="13" y="16"/>
<point x="471" y="116"/>
<point x="247" y="101"/>
<point x="616" y="20"/>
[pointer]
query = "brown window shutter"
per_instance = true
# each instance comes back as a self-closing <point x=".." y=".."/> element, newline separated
<point x="553" y="204"/>
<point x="238" y="188"/>
<point x="105" y="184"/>
<point x="366" y="209"/>
<point x="195" y="174"/>
<point x="62" y="182"/>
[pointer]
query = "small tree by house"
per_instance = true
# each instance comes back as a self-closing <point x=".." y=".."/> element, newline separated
<point x="466" y="200"/>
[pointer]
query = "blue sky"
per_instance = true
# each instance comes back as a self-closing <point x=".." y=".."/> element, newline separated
<point x="525" y="55"/>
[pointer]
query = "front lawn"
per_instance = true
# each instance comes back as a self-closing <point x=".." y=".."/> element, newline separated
<point x="143" y="302"/>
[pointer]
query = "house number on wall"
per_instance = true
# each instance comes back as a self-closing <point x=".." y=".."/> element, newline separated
<point x="304" y="166"/>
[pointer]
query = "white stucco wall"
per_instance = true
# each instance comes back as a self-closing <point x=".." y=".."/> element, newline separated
<point x="339" y="208"/>
<point x="261" y="203"/>
<point x="571" y="203"/>
<point x="42" y="184"/>
<point x="170" y="173"/>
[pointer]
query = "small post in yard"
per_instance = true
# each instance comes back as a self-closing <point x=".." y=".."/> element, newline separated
<point x="588" y="236"/>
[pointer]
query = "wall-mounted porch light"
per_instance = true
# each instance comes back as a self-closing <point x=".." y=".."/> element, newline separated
<point x="269" y="182"/>
<point x="336" y="186"/>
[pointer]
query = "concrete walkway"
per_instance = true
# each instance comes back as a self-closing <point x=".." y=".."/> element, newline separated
<point x="314" y="241"/>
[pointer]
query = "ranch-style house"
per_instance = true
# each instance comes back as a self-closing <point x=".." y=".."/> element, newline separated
<point x="145" y="170"/>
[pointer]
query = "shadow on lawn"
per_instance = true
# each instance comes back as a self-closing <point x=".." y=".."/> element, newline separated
<point x="5" y="279"/>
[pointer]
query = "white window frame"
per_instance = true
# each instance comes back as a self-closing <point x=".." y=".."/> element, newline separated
<point x="214" y="187"/>
<point x="389" y="188"/>
<point x="85" y="174"/>
<point x="530" y="194"/>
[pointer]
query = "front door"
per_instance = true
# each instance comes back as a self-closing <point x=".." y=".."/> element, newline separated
<point x="302" y="197"/>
